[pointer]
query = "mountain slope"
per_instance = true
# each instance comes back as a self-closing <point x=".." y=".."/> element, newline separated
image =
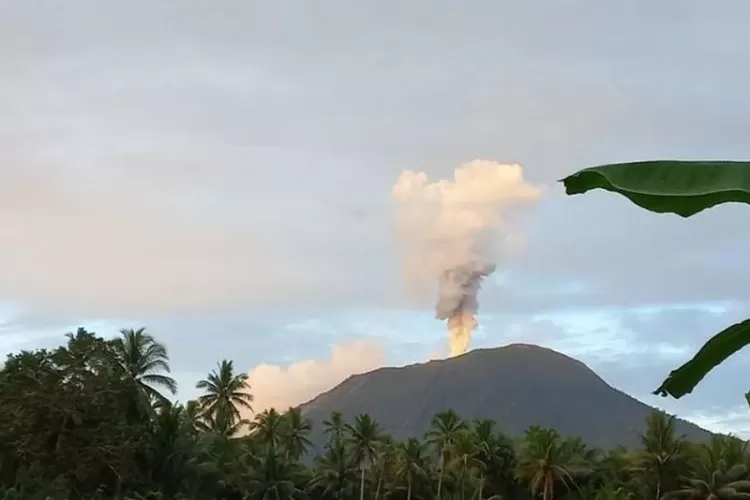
<point x="518" y="386"/>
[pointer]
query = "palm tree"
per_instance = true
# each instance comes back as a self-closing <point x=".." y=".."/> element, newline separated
<point x="296" y="432"/>
<point x="225" y="394"/>
<point x="334" y="427"/>
<point x="663" y="454"/>
<point x="715" y="484"/>
<point x="173" y="456"/>
<point x="144" y="360"/>
<point x="216" y="425"/>
<point x="272" y="477"/>
<point x="334" y="472"/>
<point x="464" y="459"/>
<point x="192" y="416"/>
<point x="364" y="436"/>
<point x="722" y="451"/>
<point x="267" y="427"/>
<point x="496" y="452"/>
<point x="385" y="460"/>
<point x="544" y="461"/>
<point x="412" y="465"/>
<point x="444" y="428"/>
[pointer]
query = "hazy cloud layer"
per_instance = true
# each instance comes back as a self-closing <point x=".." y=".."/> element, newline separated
<point x="244" y="155"/>
<point x="278" y="386"/>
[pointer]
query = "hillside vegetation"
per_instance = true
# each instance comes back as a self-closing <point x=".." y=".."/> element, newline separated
<point x="91" y="420"/>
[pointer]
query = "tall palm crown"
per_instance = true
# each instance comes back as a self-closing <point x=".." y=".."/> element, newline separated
<point x="364" y="437"/>
<point x="274" y="478"/>
<point x="145" y="361"/>
<point x="715" y="484"/>
<point x="225" y="393"/>
<point x="297" y="430"/>
<point x="333" y="475"/>
<point x="663" y="453"/>
<point x="334" y="427"/>
<point x="413" y="463"/>
<point x="546" y="460"/>
<point x="464" y="459"/>
<point x="267" y="427"/>
<point x="444" y="429"/>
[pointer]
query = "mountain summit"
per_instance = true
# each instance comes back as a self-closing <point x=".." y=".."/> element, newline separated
<point x="518" y="385"/>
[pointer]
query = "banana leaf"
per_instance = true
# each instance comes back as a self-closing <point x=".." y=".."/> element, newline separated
<point x="684" y="188"/>
<point x="668" y="186"/>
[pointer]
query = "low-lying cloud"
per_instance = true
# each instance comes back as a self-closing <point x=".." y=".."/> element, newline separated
<point x="276" y="386"/>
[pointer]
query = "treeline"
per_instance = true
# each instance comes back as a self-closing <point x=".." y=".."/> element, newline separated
<point x="91" y="420"/>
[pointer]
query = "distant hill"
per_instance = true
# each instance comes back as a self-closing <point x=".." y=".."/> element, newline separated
<point x="517" y="386"/>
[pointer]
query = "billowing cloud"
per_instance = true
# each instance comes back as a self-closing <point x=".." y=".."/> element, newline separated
<point x="453" y="232"/>
<point x="276" y="386"/>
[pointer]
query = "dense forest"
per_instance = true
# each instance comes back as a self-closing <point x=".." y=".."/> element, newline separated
<point x="93" y="419"/>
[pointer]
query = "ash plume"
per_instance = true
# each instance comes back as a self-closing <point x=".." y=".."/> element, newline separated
<point x="452" y="233"/>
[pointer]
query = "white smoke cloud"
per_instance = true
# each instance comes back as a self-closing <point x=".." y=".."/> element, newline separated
<point x="275" y="386"/>
<point x="453" y="233"/>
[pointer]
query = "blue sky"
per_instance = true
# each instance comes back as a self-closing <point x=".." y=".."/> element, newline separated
<point x="221" y="173"/>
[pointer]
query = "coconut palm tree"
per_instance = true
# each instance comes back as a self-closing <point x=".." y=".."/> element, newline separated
<point x="722" y="451"/>
<point x="412" y="464"/>
<point x="145" y="361"/>
<point x="335" y="427"/>
<point x="267" y="427"/>
<point x="174" y="459"/>
<point x="334" y="472"/>
<point x="296" y="432"/>
<point x="545" y="461"/>
<point x="714" y="484"/>
<point x="444" y="428"/>
<point x="272" y="477"/>
<point x="384" y="462"/>
<point x="496" y="452"/>
<point x="464" y="460"/>
<point x="225" y="393"/>
<point x="663" y="454"/>
<point x="364" y="436"/>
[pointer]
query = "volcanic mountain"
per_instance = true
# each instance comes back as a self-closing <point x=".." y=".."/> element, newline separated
<point x="518" y="385"/>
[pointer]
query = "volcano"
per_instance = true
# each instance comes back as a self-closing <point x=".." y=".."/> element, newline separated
<point x="518" y="386"/>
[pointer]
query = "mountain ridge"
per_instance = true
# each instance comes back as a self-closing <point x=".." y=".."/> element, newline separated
<point x="517" y="385"/>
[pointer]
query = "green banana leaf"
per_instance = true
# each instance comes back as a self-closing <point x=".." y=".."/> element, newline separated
<point x="684" y="188"/>
<point x="681" y="187"/>
<point x="722" y="345"/>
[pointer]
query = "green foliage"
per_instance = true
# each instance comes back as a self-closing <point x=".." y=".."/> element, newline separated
<point x="73" y="426"/>
<point x="722" y="345"/>
<point x="684" y="188"/>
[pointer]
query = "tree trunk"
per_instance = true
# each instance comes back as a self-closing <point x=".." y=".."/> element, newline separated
<point x="380" y="482"/>
<point x="548" y="488"/>
<point x="440" y="477"/>
<point x="463" y="480"/>
<point x="362" y="483"/>
<point x="408" y="490"/>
